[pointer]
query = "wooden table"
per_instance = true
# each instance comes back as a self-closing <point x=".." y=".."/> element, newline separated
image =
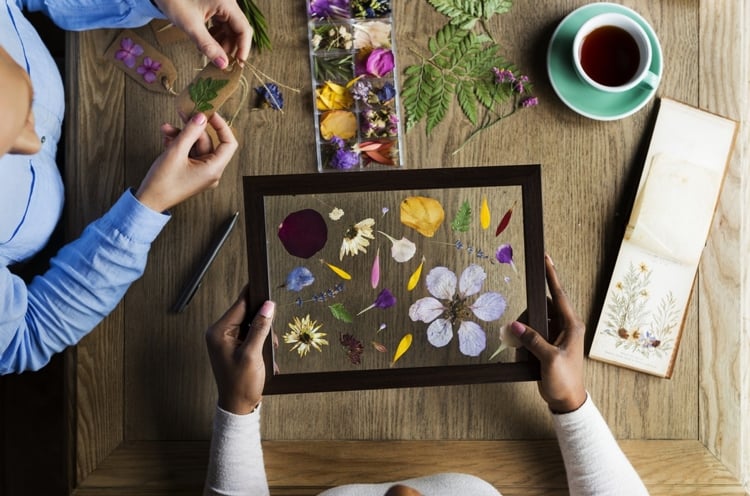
<point x="142" y="394"/>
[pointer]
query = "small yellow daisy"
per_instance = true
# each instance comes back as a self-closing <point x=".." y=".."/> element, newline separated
<point x="305" y="335"/>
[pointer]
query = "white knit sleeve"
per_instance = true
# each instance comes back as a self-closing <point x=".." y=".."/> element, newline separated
<point x="594" y="462"/>
<point x="235" y="466"/>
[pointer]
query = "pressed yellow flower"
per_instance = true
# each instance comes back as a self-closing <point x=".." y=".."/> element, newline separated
<point x="341" y="123"/>
<point x="643" y="267"/>
<point x="356" y="238"/>
<point x="332" y="96"/>
<point x="305" y="335"/>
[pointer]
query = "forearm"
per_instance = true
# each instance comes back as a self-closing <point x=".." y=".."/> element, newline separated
<point x="594" y="463"/>
<point x="235" y="466"/>
<point x="86" y="280"/>
<point x="80" y="15"/>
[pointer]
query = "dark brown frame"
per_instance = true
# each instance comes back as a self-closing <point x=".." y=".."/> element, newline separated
<point x="526" y="176"/>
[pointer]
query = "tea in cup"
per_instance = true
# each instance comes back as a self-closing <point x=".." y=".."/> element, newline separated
<point x="612" y="53"/>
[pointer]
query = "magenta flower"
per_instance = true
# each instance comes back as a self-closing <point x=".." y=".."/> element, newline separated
<point x="378" y="63"/>
<point x="128" y="52"/>
<point x="531" y="101"/>
<point x="148" y="69"/>
<point x="447" y="308"/>
<point x="518" y="87"/>
<point x="504" y="254"/>
<point x="503" y="76"/>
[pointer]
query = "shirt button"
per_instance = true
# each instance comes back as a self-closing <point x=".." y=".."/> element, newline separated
<point x="43" y="139"/>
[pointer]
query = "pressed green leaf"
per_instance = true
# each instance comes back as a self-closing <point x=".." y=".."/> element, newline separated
<point x="462" y="221"/>
<point x="202" y="91"/>
<point x="341" y="313"/>
<point x="467" y="101"/>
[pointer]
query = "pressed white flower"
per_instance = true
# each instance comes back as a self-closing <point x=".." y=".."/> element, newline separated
<point x="448" y="307"/>
<point x="356" y="239"/>
<point x="336" y="214"/>
<point x="305" y="335"/>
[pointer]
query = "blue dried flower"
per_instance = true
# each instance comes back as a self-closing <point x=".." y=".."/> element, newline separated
<point x="271" y="96"/>
<point x="299" y="278"/>
<point x="386" y="93"/>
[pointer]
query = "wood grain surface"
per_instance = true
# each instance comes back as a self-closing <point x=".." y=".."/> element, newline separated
<point x="144" y="374"/>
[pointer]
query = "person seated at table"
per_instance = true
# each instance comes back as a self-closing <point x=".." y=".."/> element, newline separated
<point x="594" y="463"/>
<point x="89" y="276"/>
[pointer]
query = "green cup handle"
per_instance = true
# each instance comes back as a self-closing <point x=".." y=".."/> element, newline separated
<point x="650" y="80"/>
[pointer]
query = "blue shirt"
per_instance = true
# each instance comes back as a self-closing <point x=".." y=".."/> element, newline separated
<point x="89" y="276"/>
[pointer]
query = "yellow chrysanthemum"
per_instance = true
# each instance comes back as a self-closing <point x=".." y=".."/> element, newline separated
<point x="305" y="335"/>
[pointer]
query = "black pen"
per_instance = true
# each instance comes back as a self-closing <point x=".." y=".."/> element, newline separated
<point x="195" y="282"/>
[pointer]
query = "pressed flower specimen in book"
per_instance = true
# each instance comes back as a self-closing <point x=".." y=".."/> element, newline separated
<point x="372" y="282"/>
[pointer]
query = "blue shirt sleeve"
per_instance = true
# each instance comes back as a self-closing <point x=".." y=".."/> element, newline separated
<point x="79" y="15"/>
<point x="85" y="282"/>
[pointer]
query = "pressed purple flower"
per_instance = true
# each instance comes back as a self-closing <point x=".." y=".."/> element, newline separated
<point x="504" y="254"/>
<point x="384" y="300"/>
<point x="531" y="101"/>
<point x="128" y="52"/>
<point x="338" y="142"/>
<point x="449" y="308"/>
<point x="344" y="159"/>
<point x="386" y="93"/>
<point x="360" y="91"/>
<point x="503" y="75"/>
<point x="303" y="233"/>
<point x="329" y="9"/>
<point x="148" y="69"/>
<point x="377" y="63"/>
<point x="271" y="95"/>
<point x="299" y="278"/>
<point x="518" y="87"/>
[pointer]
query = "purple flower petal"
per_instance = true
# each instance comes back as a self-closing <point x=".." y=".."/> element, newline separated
<point x="504" y="254"/>
<point x="426" y="309"/>
<point x="149" y="77"/>
<point x="303" y="233"/>
<point x="440" y="333"/>
<point x="472" y="339"/>
<point x="378" y="63"/>
<point x="489" y="306"/>
<point x="299" y="278"/>
<point x="385" y="299"/>
<point x="472" y="279"/>
<point x="441" y="283"/>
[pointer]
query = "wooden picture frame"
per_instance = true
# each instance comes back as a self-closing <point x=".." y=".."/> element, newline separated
<point x="501" y="199"/>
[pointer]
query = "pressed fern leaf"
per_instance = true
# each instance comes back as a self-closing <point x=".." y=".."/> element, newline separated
<point x="462" y="221"/>
<point x="465" y="13"/>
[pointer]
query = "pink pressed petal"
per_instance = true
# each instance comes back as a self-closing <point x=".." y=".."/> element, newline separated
<point x="149" y="77"/>
<point x="440" y="333"/>
<point x="126" y="44"/>
<point x="472" y="279"/>
<point x="489" y="306"/>
<point x="441" y="283"/>
<point x="472" y="339"/>
<point x="426" y="309"/>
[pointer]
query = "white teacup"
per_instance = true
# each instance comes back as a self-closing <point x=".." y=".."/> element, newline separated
<point x="612" y="53"/>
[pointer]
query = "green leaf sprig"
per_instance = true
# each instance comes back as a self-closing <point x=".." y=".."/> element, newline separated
<point x="258" y="22"/>
<point x="341" y="313"/>
<point x="462" y="221"/>
<point x="465" y="13"/>
<point x="203" y="91"/>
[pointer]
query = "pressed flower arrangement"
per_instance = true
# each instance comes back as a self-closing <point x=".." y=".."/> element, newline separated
<point x="368" y="280"/>
<point x="352" y="60"/>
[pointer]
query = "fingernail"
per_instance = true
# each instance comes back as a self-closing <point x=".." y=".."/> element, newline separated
<point x="546" y="255"/>
<point x="517" y="328"/>
<point x="199" y="118"/>
<point x="220" y="62"/>
<point x="267" y="309"/>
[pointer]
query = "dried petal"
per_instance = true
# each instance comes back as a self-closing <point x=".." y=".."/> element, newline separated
<point x="375" y="272"/>
<point x="440" y="332"/>
<point x="341" y="123"/>
<point x="414" y="279"/>
<point x="303" y="233"/>
<point x="426" y="309"/>
<point x="504" y="221"/>
<point x="472" y="279"/>
<point x="484" y="214"/>
<point x="472" y="339"/>
<point x="402" y="250"/>
<point x="504" y="254"/>
<point x="423" y="214"/>
<point x="299" y="278"/>
<point x="338" y="271"/>
<point x="379" y="346"/>
<point x="441" y="283"/>
<point x="402" y="347"/>
<point x="489" y="306"/>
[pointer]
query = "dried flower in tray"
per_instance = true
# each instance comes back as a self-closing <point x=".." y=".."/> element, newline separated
<point x="327" y="37"/>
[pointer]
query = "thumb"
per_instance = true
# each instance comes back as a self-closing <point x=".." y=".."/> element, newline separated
<point x="190" y="134"/>
<point x="206" y="44"/>
<point x="532" y="341"/>
<point x="259" y="329"/>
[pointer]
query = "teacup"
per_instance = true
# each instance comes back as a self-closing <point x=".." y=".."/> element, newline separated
<point x="612" y="53"/>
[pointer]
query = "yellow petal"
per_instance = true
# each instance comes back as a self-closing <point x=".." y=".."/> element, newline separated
<point x="341" y="123"/>
<point x="403" y="346"/>
<point x="414" y="279"/>
<point x="338" y="271"/>
<point x="484" y="214"/>
<point x="423" y="214"/>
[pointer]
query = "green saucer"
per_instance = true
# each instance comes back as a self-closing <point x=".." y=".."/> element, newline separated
<point x="577" y="95"/>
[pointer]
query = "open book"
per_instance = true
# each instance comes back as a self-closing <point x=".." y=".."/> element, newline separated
<point x="643" y="314"/>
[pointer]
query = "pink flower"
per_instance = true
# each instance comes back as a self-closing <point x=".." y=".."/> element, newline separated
<point x="128" y="52"/>
<point x="378" y="63"/>
<point x="148" y="69"/>
<point x="448" y="308"/>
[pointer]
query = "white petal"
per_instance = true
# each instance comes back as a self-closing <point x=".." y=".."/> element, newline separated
<point x="471" y="338"/>
<point x="426" y="309"/>
<point x="472" y="279"/>
<point x="508" y="338"/>
<point x="489" y="306"/>
<point x="403" y="250"/>
<point x="441" y="283"/>
<point x="440" y="333"/>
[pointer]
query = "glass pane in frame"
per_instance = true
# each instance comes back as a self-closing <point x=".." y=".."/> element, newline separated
<point x="474" y="279"/>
